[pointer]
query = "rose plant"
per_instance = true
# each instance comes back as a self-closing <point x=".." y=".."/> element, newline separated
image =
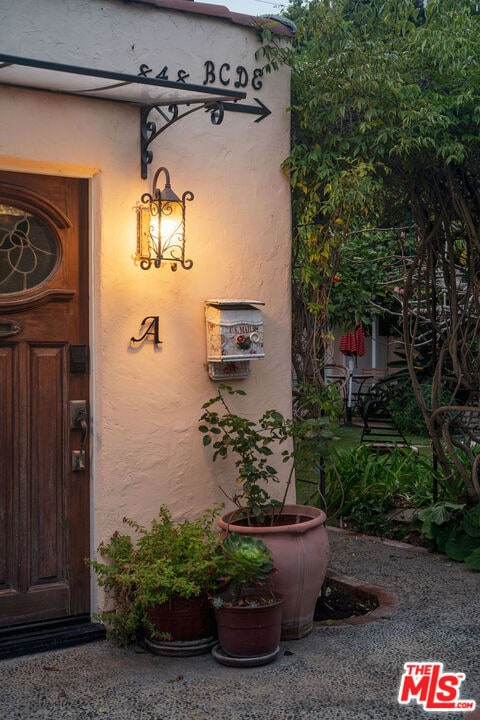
<point x="253" y="444"/>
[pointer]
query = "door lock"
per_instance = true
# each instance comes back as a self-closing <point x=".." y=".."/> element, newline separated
<point x="78" y="460"/>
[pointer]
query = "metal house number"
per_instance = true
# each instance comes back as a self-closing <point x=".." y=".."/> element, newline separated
<point x="151" y="330"/>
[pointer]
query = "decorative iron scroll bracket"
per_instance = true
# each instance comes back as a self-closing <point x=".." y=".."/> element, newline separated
<point x="168" y="115"/>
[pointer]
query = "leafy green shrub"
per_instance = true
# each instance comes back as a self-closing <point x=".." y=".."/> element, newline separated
<point x="326" y="401"/>
<point x="407" y="415"/>
<point x="397" y="393"/>
<point x="454" y="530"/>
<point x="362" y="486"/>
<point x="168" y="559"/>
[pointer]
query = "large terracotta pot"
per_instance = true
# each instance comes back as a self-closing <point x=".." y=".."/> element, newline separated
<point x="300" y="549"/>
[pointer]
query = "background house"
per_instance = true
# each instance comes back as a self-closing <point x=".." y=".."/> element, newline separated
<point x="71" y="172"/>
<point x="356" y="374"/>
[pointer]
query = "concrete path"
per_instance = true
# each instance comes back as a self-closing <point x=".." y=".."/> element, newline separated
<point x="336" y="673"/>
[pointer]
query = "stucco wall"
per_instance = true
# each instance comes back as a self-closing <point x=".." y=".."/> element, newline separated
<point x="146" y="448"/>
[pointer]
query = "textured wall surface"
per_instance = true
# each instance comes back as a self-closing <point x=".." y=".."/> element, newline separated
<point x="146" y="400"/>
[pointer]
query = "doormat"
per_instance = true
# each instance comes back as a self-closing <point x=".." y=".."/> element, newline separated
<point x="51" y="635"/>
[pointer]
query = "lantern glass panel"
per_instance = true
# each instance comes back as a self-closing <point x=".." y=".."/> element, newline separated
<point x="171" y="230"/>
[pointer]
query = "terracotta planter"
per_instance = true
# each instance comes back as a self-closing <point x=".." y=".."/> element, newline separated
<point x="300" y="549"/>
<point x="184" y="620"/>
<point x="249" y="632"/>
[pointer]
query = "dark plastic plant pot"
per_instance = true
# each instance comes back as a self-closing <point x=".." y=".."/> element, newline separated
<point x="183" y="620"/>
<point x="247" y="632"/>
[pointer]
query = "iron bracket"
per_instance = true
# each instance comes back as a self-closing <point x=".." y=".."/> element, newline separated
<point x="168" y="115"/>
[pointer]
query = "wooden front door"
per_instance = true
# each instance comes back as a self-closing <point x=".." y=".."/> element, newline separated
<point x="44" y="490"/>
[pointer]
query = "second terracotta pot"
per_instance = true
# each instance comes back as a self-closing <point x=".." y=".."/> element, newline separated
<point x="249" y="631"/>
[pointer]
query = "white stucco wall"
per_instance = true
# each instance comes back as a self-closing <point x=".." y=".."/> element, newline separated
<point x="146" y="448"/>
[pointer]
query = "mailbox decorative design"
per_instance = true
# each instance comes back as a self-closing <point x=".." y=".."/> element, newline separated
<point x="234" y="330"/>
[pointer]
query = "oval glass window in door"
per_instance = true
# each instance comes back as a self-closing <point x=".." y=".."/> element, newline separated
<point x="29" y="250"/>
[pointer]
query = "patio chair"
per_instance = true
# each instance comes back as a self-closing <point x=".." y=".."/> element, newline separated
<point x="380" y="433"/>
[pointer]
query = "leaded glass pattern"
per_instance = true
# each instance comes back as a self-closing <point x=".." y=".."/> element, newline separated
<point x="28" y="250"/>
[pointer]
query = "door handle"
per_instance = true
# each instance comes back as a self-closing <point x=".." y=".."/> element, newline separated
<point x="78" y="421"/>
<point x="83" y="425"/>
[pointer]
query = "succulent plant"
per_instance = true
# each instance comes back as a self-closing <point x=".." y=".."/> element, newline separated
<point x="244" y="562"/>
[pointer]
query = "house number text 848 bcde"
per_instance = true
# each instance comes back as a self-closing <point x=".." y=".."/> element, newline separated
<point x="223" y="73"/>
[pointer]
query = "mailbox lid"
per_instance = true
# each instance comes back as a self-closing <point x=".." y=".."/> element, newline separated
<point x="234" y="302"/>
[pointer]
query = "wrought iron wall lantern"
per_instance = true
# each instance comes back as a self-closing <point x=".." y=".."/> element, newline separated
<point x="161" y="226"/>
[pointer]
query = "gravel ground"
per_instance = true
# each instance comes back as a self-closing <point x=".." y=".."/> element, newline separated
<point x="336" y="673"/>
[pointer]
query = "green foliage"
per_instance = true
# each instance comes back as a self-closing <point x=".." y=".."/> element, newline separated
<point x="252" y="443"/>
<point x="406" y="412"/>
<point x="318" y="402"/>
<point x="365" y="490"/>
<point x="386" y="121"/>
<point x="454" y="530"/>
<point x="407" y="416"/>
<point x="168" y="559"/>
<point x="362" y="486"/>
<point x="363" y="267"/>
<point x="319" y="410"/>
<point x="244" y="562"/>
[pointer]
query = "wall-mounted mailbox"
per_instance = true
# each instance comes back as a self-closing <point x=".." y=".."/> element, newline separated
<point x="234" y="330"/>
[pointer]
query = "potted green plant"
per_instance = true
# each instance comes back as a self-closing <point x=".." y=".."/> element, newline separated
<point x="295" y="534"/>
<point x="159" y="580"/>
<point x="248" y="612"/>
